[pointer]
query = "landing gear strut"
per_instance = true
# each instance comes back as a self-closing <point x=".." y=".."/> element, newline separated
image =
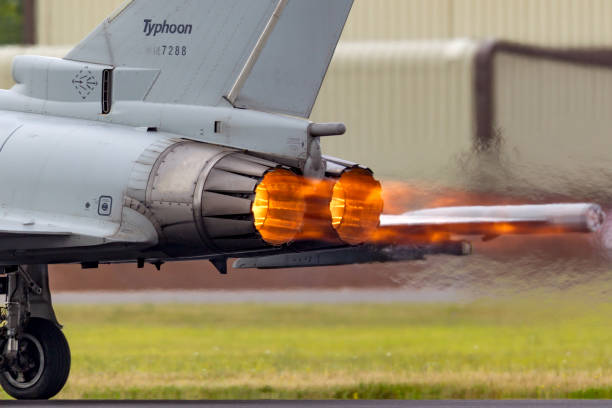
<point x="35" y="357"/>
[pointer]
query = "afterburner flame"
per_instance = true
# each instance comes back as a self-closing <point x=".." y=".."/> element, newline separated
<point x="356" y="206"/>
<point x="290" y="208"/>
<point x="279" y="206"/>
<point x="403" y="198"/>
<point x="317" y="221"/>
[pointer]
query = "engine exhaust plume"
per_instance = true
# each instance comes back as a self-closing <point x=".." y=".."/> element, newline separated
<point x="522" y="219"/>
<point x="440" y="224"/>
<point x="317" y="220"/>
<point x="356" y="206"/>
<point x="279" y="206"/>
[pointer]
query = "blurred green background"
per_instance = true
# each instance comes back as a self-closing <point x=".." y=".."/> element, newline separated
<point x="11" y="22"/>
<point x="532" y="347"/>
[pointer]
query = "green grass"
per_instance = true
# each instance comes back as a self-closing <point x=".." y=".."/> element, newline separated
<point x="487" y="349"/>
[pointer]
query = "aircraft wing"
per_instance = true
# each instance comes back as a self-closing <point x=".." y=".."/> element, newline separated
<point x="9" y="227"/>
<point x="35" y="231"/>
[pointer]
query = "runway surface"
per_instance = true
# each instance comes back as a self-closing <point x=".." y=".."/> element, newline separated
<point x="326" y="404"/>
<point x="263" y="296"/>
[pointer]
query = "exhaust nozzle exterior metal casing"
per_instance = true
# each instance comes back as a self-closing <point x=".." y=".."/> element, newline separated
<point x="201" y="195"/>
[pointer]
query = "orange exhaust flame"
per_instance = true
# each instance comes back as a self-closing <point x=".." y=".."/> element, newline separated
<point x="279" y="206"/>
<point x="391" y="236"/>
<point x="356" y="206"/>
<point x="317" y="224"/>
<point x="435" y="235"/>
<point x="401" y="197"/>
<point x="288" y="208"/>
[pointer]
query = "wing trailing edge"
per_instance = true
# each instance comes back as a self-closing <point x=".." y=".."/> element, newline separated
<point x="8" y="227"/>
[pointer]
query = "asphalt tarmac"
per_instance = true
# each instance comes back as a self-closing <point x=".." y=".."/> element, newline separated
<point x="322" y="404"/>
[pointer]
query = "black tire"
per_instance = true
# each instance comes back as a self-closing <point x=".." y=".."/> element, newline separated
<point x="50" y="371"/>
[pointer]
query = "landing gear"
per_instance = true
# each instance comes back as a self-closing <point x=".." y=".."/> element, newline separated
<point x="35" y="357"/>
<point x="42" y="363"/>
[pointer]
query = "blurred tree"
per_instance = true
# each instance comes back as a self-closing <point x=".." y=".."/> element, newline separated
<point x="11" y="22"/>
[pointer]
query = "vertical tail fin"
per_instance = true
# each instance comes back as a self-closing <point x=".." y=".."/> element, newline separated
<point x="200" y="48"/>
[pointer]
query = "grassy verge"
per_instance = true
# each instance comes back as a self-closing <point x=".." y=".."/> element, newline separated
<point x="488" y="349"/>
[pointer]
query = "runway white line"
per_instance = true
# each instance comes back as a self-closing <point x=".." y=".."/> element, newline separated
<point x="343" y="296"/>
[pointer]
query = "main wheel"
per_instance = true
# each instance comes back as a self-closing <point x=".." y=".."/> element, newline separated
<point x="42" y="365"/>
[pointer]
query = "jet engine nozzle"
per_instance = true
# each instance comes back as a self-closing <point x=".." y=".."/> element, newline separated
<point x="279" y="206"/>
<point x="227" y="201"/>
<point x="356" y="206"/>
<point x="202" y="196"/>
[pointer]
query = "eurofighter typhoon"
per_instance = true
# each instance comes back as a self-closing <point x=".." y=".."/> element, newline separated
<point x="178" y="130"/>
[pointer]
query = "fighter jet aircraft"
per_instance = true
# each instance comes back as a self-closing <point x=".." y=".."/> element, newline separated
<point x="178" y="130"/>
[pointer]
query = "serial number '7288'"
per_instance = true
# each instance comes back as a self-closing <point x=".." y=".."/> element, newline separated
<point x="171" y="50"/>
